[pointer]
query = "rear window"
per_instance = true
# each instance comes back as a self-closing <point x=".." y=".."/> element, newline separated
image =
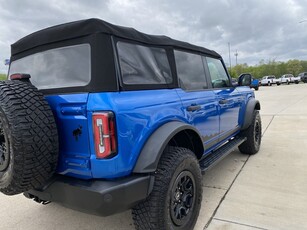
<point x="57" y="68"/>
<point x="142" y="65"/>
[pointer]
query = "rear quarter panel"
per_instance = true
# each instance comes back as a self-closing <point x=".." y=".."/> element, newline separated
<point x="138" y="114"/>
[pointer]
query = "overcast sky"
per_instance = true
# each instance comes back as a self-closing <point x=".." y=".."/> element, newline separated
<point x="258" y="29"/>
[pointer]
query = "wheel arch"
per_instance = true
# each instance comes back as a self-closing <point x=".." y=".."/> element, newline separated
<point x="251" y="105"/>
<point x="174" y="133"/>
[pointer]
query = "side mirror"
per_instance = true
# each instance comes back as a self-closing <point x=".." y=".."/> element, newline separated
<point x="245" y="80"/>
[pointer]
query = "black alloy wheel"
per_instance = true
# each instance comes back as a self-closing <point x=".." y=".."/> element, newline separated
<point x="182" y="200"/>
<point x="4" y="149"/>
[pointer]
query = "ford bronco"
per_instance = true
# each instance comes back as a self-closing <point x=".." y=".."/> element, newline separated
<point x="103" y="118"/>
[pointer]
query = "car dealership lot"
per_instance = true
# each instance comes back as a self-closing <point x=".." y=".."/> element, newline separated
<point x="265" y="191"/>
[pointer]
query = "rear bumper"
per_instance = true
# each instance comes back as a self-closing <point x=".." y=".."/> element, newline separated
<point x="98" y="197"/>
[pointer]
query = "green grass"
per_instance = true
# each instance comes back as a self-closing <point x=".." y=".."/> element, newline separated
<point x="2" y="76"/>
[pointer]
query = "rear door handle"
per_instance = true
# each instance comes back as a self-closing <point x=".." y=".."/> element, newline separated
<point x="193" y="107"/>
<point x="223" y="101"/>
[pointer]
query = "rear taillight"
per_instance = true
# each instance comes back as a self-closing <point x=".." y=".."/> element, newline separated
<point x="104" y="134"/>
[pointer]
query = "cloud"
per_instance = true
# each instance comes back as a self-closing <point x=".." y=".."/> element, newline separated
<point x="258" y="29"/>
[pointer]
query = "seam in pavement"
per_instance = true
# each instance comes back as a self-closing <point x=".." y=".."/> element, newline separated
<point x="206" y="186"/>
<point x="215" y="211"/>
<point x="268" y="125"/>
<point x="233" y="222"/>
<point x="223" y="198"/>
<point x="298" y="101"/>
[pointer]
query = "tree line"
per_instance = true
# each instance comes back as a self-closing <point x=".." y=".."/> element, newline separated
<point x="270" y="67"/>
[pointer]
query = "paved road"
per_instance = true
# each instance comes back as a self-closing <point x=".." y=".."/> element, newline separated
<point x="265" y="191"/>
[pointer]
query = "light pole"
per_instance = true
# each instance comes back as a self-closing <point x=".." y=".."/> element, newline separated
<point x="229" y="55"/>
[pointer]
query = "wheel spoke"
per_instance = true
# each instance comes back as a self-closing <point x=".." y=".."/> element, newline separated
<point x="182" y="197"/>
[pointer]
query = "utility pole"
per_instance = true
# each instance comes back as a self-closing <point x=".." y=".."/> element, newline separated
<point x="236" y="54"/>
<point x="229" y="55"/>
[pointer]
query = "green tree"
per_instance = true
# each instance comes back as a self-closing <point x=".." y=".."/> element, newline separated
<point x="294" y="67"/>
<point x="304" y="65"/>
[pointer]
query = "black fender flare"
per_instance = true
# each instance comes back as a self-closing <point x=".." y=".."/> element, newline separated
<point x="251" y="105"/>
<point x="152" y="150"/>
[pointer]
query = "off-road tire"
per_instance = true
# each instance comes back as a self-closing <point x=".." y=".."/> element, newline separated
<point x="28" y="138"/>
<point x="253" y="134"/>
<point x="155" y="212"/>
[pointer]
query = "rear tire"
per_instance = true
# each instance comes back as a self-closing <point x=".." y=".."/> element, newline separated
<point x="253" y="134"/>
<point x="28" y="138"/>
<point x="175" y="200"/>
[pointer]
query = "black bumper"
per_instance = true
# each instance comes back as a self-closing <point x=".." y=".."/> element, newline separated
<point x="98" y="197"/>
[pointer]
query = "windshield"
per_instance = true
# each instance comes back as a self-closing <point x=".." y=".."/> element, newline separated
<point x="57" y="68"/>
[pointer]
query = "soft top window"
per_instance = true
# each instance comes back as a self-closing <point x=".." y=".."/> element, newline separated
<point x="142" y="65"/>
<point x="190" y="71"/>
<point x="57" y="68"/>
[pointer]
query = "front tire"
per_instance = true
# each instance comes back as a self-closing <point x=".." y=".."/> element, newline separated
<point x="175" y="200"/>
<point x="253" y="134"/>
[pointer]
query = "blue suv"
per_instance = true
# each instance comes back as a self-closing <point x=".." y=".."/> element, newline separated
<point x="103" y="118"/>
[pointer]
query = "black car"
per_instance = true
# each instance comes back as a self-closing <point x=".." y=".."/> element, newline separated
<point x="303" y="77"/>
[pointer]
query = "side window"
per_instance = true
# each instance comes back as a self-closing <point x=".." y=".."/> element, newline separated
<point x="142" y="65"/>
<point x="218" y="73"/>
<point x="190" y="71"/>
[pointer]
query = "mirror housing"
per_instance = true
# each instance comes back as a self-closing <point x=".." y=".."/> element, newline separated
<point x="245" y="80"/>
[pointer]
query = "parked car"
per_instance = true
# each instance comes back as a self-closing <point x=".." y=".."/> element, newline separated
<point x="303" y="77"/>
<point x="254" y="82"/>
<point x="289" y="78"/>
<point x="103" y="118"/>
<point x="270" y="80"/>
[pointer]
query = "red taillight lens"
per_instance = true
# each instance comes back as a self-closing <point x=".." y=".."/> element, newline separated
<point x="104" y="134"/>
<point x="20" y="76"/>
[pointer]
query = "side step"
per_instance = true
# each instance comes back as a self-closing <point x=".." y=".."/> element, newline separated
<point x="220" y="153"/>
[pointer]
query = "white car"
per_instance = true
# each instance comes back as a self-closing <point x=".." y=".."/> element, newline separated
<point x="289" y="78"/>
<point x="270" y="80"/>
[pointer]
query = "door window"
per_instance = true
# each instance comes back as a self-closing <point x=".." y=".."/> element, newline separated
<point x="219" y="77"/>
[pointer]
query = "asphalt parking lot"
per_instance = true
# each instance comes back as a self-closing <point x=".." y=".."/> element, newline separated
<point x="265" y="191"/>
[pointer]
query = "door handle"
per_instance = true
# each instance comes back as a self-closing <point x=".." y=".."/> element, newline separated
<point x="193" y="107"/>
<point x="223" y="101"/>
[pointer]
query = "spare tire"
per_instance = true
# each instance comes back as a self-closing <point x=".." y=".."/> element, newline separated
<point x="28" y="138"/>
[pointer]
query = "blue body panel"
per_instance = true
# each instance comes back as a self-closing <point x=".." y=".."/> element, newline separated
<point x="71" y="118"/>
<point x="138" y="114"/>
<point x="206" y="119"/>
<point x="254" y="83"/>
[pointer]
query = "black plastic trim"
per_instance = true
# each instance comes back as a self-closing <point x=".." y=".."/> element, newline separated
<point x="154" y="147"/>
<point x="99" y="197"/>
<point x="251" y="105"/>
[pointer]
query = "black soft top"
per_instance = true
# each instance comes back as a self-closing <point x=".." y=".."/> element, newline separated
<point x="92" y="26"/>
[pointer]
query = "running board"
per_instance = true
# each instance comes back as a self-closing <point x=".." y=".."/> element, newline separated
<point x="220" y="153"/>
